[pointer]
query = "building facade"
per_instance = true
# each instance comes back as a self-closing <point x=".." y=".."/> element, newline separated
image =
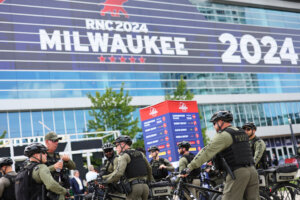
<point x="238" y="56"/>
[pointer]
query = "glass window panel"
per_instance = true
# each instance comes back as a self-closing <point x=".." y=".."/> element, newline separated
<point x="242" y="113"/>
<point x="3" y="124"/>
<point x="273" y="114"/>
<point x="262" y="115"/>
<point x="248" y="113"/>
<point x="88" y="117"/>
<point x="297" y="112"/>
<point x="236" y="115"/>
<point x="14" y="125"/>
<point x="70" y="123"/>
<point x="48" y="121"/>
<point x="59" y="122"/>
<point x="26" y="124"/>
<point x="279" y="112"/>
<point x="254" y="110"/>
<point x="202" y="116"/>
<point x="38" y="128"/>
<point x="80" y="123"/>
<point x="288" y="112"/>
<point x="268" y="114"/>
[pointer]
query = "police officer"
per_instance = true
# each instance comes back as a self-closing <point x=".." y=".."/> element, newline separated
<point x="111" y="159"/>
<point x="186" y="158"/>
<point x="134" y="165"/>
<point x="257" y="146"/>
<point x="110" y="165"/>
<point x="160" y="166"/>
<point x="7" y="181"/>
<point x="56" y="163"/>
<point x="232" y="144"/>
<point x="41" y="176"/>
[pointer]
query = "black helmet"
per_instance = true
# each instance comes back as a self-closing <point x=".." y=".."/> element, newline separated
<point x="123" y="138"/>
<point x="225" y="116"/>
<point x="6" y="162"/>
<point x="35" y="148"/>
<point x="184" y="144"/>
<point x="153" y="148"/>
<point x="107" y="146"/>
<point x="249" y="125"/>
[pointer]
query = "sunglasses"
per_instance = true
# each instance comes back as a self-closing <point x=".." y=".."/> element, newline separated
<point x="247" y="129"/>
<point x="107" y="150"/>
<point x="54" y="140"/>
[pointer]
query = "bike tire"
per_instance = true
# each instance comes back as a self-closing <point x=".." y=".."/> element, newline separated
<point x="263" y="195"/>
<point x="286" y="191"/>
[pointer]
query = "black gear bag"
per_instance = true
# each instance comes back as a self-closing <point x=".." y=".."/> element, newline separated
<point x="24" y="189"/>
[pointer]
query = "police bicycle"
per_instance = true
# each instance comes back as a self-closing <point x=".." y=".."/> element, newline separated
<point x="281" y="180"/>
<point x="99" y="191"/>
<point x="181" y="189"/>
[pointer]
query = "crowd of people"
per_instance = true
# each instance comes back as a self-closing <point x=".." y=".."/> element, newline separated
<point x="127" y="172"/>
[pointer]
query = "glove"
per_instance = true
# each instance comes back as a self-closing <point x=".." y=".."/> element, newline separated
<point x="185" y="171"/>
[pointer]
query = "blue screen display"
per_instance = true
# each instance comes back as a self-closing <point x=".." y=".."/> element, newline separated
<point x="134" y="35"/>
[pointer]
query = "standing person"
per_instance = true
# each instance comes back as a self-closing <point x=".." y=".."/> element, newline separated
<point x="257" y="146"/>
<point x="77" y="186"/>
<point x="275" y="161"/>
<point x="232" y="146"/>
<point x="186" y="158"/>
<point x="160" y="166"/>
<point x="91" y="175"/>
<point x="7" y="181"/>
<point x="36" y="182"/>
<point x="109" y="166"/>
<point x="134" y="166"/>
<point x="57" y="164"/>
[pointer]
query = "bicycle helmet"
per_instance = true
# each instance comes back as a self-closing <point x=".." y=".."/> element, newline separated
<point x="107" y="146"/>
<point x="123" y="138"/>
<point x="225" y="116"/>
<point x="153" y="148"/>
<point x="249" y="125"/>
<point x="6" y="162"/>
<point x="34" y="148"/>
<point x="184" y="144"/>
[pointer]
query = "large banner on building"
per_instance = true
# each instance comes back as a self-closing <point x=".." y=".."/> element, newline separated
<point x="137" y="35"/>
<point x="170" y="122"/>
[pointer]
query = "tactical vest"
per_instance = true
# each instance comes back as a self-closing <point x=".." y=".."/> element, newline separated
<point x="9" y="192"/>
<point x="108" y="163"/>
<point x="196" y="172"/>
<point x="137" y="166"/>
<point x="157" y="173"/>
<point x="262" y="163"/>
<point x="239" y="154"/>
<point x="61" y="177"/>
<point x="52" y="160"/>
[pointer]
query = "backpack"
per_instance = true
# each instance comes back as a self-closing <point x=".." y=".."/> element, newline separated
<point x="24" y="183"/>
<point x="7" y="194"/>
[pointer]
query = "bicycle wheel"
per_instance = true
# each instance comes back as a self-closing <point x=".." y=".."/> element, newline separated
<point x="286" y="191"/>
<point x="263" y="195"/>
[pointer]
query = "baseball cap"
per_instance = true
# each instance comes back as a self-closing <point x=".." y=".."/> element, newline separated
<point x="52" y="136"/>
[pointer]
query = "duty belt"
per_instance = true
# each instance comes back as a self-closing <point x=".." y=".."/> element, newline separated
<point x="137" y="181"/>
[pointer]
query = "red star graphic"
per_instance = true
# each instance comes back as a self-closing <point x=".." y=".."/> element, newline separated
<point x="112" y="59"/>
<point x="101" y="58"/>
<point x="122" y="59"/>
<point x="132" y="59"/>
<point x="142" y="60"/>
